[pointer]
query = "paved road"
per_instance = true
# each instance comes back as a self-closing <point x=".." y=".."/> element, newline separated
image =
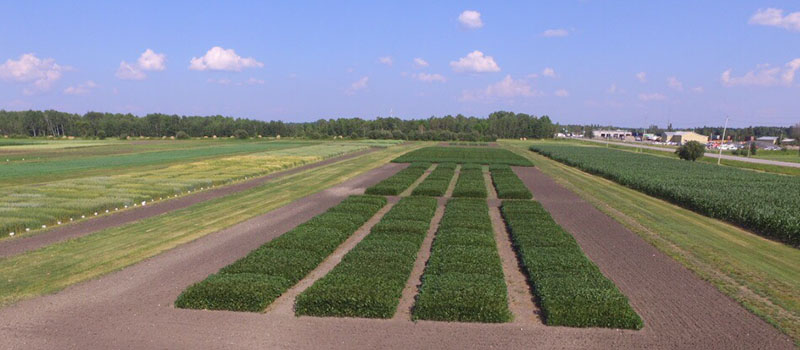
<point x="708" y="154"/>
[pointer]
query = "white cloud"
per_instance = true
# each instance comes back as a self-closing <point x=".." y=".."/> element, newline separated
<point x="80" y="89"/>
<point x="763" y="75"/>
<point x="698" y="89"/>
<point x="555" y="33"/>
<point x="549" y="72"/>
<point x="226" y="81"/>
<point x="612" y="89"/>
<point x="218" y="58"/>
<point x="357" y="85"/>
<point x="642" y="76"/>
<point x="254" y="81"/>
<point x="387" y="60"/>
<point x="221" y="81"/>
<point x="562" y="93"/>
<point x="508" y="88"/>
<point x="475" y="61"/>
<point x="652" y="97"/>
<point x="774" y="18"/>
<point x="419" y="62"/>
<point x="674" y="84"/>
<point x="470" y="19"/>
<point x="126" y="71"/>
<point x="150" y="60"/>
<point x="429" y="77"/>
<point x="41" y="74"/>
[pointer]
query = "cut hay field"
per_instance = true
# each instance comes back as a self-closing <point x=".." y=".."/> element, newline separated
<point x="36" y="206"/>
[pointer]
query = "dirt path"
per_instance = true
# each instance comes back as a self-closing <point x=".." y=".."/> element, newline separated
<point x="677" y="307"/>
<point x="520" y="298"/>
<point x="23" y="244"/>
<point x="284" y="305"/>
<point x="409" y="295"/>
<point x="418" y="181"/>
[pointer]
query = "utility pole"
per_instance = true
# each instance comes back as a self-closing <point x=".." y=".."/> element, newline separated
<point x="719" y="158"/>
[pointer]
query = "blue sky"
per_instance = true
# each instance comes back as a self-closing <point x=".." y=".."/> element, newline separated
<point x="628" y="63"/>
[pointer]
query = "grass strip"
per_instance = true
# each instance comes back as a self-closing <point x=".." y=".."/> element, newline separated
<point x="435" y="185"/>
<point x="479" y="155"/>
<point x="570" y="288"/>
<point x="399" y="182"/>
<point x="255" y="281"/>
<point x="470" y="182"/>
<point x="463" y="280"/>
<point x="370" y="279"/>
<point x="507" y="183"/>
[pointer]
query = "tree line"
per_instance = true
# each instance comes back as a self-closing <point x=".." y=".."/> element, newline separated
<point x="499" y="124"/>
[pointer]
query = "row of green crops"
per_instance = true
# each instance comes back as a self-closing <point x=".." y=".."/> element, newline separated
<point x="370" y="279"/>
<point x="463" y="280"/>
<point x="765" y="203"/>
<point x="507" y="183"/>
<point x="436" y="184"/>
<point x="255" y="281"/>
<point x="478" y="155"/>
<point x="470" y="182"/>
<point x="570" y="288"/>
<point x="33" y="205"/>
<point x="399" y="182"/>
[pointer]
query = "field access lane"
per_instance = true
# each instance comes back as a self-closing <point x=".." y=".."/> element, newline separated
<point x="22" y="244"/>
<point x="707" y="154"/>
<point x="679" y="309"/>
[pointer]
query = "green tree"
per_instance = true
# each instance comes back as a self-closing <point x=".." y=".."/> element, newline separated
<point x="240" y="134"/>
<point x="182" y="135"/>
<point x="691" y="150"/>
<point x="753" y="148"/>
<point x="101" y="134"/>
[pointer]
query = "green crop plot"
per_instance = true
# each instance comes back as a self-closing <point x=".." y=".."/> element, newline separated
<point x="463" y="280"/>
<point x="32" y="206"/>
<point x="370" y="279"/>
<point x="435" y="185"/>
<point x="255" y="281"/>
<point x="399" y="182"/>
<point x="507" y="183"/>
<point x="765" y="203"/>
<point x="470" y="182"/>
<point x="571" y="289"/>
<point x="461" y="155"/>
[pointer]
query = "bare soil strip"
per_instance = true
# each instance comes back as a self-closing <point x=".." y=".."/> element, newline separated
<point x="677" y="306"/>
<point x="284" y="305"/>
<point x="416" y="183"/>
<point x="520" y="298"/>
<point x="411" y="289"/>
<point x="23" y="244"/>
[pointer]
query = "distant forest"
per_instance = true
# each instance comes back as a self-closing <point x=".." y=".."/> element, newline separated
<point x="94" y="124"/>
<point x="499" y="124"/>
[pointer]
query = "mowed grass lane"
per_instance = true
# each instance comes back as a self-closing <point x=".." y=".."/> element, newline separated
<point x="57" y="266"/>
<point x="761" y="274"/>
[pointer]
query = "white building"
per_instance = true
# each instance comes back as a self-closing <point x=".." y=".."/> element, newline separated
<point x="611" y="134"/>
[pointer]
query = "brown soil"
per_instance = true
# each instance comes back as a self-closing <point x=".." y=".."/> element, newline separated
<point x="23" y="244"/>
<point x="132" y="308"/>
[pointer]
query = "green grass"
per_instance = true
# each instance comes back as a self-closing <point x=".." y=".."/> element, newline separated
<point x="570" y="288"/>
<point x="435" y="185"/>
<point x="399" y="182"/>
<point x="255" y="281"/>
<point x="470" y="182"/>
<point x="369" y="280"/>
<point x="770" y="207"/>
<point x="478" y="155"/>
<point x="463" y="280"/>
<point x="507" y="184"/>
<point x="762" y="275"/>
<point x="59" y="265"/>
<point x="31" y="206"/>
